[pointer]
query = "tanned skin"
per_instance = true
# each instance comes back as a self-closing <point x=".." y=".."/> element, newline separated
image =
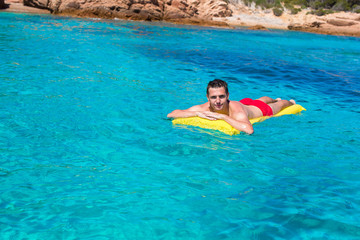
<point x="219" y="107"/>
<point x="233" y="112"/>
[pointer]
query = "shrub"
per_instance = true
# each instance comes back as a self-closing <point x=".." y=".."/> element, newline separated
<point x="356" y="8"/>
<point x="316" y="5"/>
<point x="278" y="4"/>
<point x="321" y="12"/>
<point x="341" y="6"/>
<point x="295" y="10"/>
<point x="277" y="12"/>
<point x="328" y="3"/>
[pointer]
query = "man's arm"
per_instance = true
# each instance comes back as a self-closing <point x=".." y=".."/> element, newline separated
<point x="241" y="122"/>
<point x="194" y="111"/>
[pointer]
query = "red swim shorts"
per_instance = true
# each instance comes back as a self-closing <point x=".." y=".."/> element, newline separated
<point x="265" y="109"/>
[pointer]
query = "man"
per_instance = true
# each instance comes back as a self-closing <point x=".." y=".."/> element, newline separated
<point x="237" y="114"/>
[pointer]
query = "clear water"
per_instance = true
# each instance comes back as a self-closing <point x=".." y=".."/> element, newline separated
<point x="86" y="150"/>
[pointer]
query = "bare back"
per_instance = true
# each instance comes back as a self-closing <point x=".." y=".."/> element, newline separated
<point x="239" y="108"/>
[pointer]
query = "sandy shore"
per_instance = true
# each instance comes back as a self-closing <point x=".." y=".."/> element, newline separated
<point x="20" y="8"/>
<point x="347" y="24"/>
<point x="341" y="23"/>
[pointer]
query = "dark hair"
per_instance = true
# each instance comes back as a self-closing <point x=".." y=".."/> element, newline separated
<point x="217" y="83"/>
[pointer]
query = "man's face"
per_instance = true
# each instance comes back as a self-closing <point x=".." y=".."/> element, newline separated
<point x="218" y="98"/>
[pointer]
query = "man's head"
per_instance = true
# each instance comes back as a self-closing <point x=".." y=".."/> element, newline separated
<point x="217" y="83"/>
<point x="218" y="95"/>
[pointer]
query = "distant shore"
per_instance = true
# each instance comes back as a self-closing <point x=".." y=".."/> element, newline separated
<point x="342" y="24"/>
<point x="20" y="8"/>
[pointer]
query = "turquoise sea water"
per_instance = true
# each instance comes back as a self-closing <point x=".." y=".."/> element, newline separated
<point x="86" y="150"/>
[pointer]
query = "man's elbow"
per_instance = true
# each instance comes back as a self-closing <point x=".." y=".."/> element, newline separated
<point x="172" y="114"/>
<point x="249" y="129"/>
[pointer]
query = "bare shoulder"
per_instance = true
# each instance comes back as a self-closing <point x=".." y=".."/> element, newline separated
<point x="236" y="106"/>
<point x="237" y="110"/>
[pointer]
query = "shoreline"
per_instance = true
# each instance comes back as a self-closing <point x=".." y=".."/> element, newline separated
<point x="339" y="24"/>
<point x="20" y="8"/>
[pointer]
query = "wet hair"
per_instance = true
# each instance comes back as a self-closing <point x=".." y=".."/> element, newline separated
<point x="217" y="83"/>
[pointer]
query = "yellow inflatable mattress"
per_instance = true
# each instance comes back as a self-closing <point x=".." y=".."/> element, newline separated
<point x="224" y="127"/>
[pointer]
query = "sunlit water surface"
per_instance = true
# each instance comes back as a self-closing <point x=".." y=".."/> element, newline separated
<point x="86" y="150"/>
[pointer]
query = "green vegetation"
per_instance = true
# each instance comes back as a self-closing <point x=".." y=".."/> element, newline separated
<point x="321" y="12"/>
<point x="278" y="11"/>
<point x="319" y="7"/>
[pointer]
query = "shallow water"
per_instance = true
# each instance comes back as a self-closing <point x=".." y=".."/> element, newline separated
<point x="86" y="150"/>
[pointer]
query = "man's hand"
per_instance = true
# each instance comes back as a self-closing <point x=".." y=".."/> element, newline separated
<point x="210" y="115"/>
<point x="241" y="124"/>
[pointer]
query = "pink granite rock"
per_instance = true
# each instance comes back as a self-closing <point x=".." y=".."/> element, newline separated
<point x="137" y="9"/>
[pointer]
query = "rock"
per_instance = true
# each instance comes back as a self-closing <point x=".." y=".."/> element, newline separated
<point x="295" y="27"/>
<point x="2" y="4"/>
<point x="171" y="12"/>
<point x="212" y="8"/>
<point x="340" y="23"/>
<point x="306" y="26"/>
<point x="197" y="21"/>
<point x="74" y="5"/>
<point x="137" y="9"/>
<point x="258" y="27"/>
<point x="179" y="4"/>
<point x="42" y="4"/>
<point x="315" y="24"/>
